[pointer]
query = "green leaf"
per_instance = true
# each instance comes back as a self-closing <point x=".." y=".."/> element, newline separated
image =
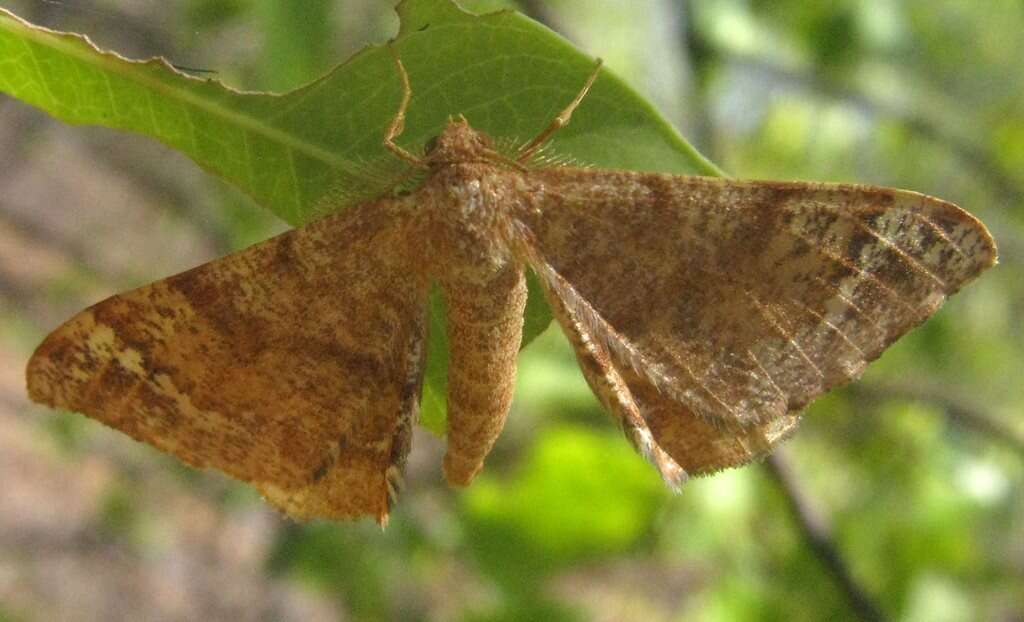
<point x="297" y="35"/>
<point x="578" y="494"/>
<point x="318" y="149"/>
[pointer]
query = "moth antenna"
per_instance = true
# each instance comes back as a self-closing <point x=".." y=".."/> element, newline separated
<point x="561" y="120"/>
<point x="397" y="125"/>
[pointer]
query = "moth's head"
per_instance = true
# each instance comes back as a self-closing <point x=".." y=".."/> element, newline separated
<point x="458" y="142"/>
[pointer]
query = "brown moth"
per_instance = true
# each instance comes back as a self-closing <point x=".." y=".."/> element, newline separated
<point x="705" y="313"/>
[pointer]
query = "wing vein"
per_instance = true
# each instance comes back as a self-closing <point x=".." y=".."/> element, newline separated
<point x="837" y="293"/>
<point x="615" y="343"/>
<point x="701" y="382"/>
<point x="768" y="375"/>
<point x="942" y="234"/>
<point x="905" y="256"/>
<point x="846" y="263"/>
<point x="823" y="320"/>
<point x="784" y="333"/>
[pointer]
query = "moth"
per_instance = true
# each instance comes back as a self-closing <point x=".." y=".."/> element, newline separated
<point x="705" y="313"/>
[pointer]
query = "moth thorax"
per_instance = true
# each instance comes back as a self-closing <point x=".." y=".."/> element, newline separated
<point x="467" y="233"/>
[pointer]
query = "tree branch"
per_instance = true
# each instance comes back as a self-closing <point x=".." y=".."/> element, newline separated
<point x="956" y="407"/>
<point x="816" y="534"/>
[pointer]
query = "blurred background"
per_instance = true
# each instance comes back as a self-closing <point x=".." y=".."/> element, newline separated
<point x="900" y="498"/>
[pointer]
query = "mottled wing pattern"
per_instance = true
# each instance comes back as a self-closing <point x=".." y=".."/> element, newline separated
<point x="702" y="447"/>
<point x="739" y="302"/>
<point x="294" y="365"/>
<point x="586" y="331"/>
<point x="665" y="432"/>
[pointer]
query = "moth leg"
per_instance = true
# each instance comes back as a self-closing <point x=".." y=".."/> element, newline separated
<point x="606" y="382"/>
<point x="397" y="125"/>
<point x="485" y="330"/>
<point x="560" y="121"/>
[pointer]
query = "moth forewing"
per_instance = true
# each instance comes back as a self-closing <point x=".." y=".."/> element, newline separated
<point x="286" y="365"/>
<point x="749" y="299"/>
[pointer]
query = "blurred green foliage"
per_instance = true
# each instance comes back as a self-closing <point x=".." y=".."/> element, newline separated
<point x="926" y="505"/>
